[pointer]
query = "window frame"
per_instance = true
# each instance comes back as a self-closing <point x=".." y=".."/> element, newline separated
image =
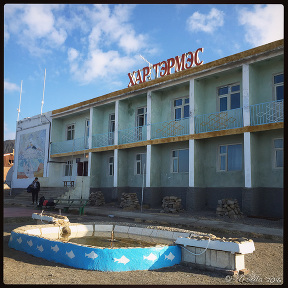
<point x="87" y="132"/>
<point x="275" y="85"/>
<point x="181" y="107"/>
<point x="226" y="160"/>
<point x="141" y="164"/>
<point x="275" y="153"/>
<point x="110" y="164"/>
<point x="177" y="159"/>
<point x="228" y="96"/>
<point x="144" y="115"/>
<point x="68" y="164"/>
<point x="67" y="130"/>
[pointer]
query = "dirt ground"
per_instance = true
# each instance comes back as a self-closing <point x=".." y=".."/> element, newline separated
<point x="265" y="265"/>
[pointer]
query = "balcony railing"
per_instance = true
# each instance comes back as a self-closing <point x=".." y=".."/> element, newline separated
<point x="77" y="144"/>
<point x="170" y="128"/>
<point x="219" y="121"/>
<point x="131" y="135"/>
<point x="102" y="140"/>
<point x="265" y="113"/>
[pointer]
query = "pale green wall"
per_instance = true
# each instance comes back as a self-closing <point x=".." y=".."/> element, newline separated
<point x="122" y="168"/>
<point x="56" y="130"/>
<point x="156" y="166"/>
<point x="207" y="156"/>
<point x="206" y="90"/>
<point x="127" y="110"/>
<point x="264" y="174"/>
<point x="261" y="79"/>
<point x="101" y="118"/>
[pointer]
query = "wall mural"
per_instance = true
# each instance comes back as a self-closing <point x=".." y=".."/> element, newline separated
<point x="31" y="155"/>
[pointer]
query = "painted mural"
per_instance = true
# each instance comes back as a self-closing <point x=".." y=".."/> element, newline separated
<point x="31" y="155"/>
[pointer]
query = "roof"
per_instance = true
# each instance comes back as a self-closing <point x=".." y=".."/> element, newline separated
<point x="214" y="64"/>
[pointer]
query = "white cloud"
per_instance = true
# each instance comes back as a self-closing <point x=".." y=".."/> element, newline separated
<point x="205" y="22"/>
<point x="10" y="87"/>
<point x="264" y="24"/>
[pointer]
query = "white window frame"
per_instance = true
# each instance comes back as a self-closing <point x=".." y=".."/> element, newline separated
<point x="87" y="131"/>
<point x="143" y="115"/>
<point x="180" y="107"/>
<point x="226" y="160"/>
<point x="68" y="164"/>
<point x="67" y="129"/>
<point x="275" y="154"/>
<point x="228" y="95"/>
<point x="111" y="165"/>
<point x="139" y="161"/>
<point x="176" y="158"/>
<point x="275" y="85"/>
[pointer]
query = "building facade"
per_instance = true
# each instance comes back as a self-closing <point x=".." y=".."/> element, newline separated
<point x="206" y="133"/>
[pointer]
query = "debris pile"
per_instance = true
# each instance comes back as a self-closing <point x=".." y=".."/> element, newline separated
<point x="129" y="201"/>
<point x="171" y="204"/>
<point x="230" y="208"/>
<point x="96" y="198"/>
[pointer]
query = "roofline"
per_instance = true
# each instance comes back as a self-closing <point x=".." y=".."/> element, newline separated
<point x="222" y="61"/>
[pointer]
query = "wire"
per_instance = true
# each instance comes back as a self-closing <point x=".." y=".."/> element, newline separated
<point x="196" y="247"/>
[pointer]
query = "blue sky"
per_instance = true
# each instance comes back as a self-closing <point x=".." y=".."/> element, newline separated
<point x="88" y="50"/>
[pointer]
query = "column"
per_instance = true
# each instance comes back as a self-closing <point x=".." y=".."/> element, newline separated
<point x="149" y="100"/>
<point x="191" y="163"/>
<point x="148" y="165"/>
<point x="247" y="159"/>
<point x="191" y="107"/>
<point x="116" y="122"/>
<point x="90" y="140"/>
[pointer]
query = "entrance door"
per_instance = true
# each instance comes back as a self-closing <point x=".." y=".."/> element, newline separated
<point x="82" y="168"/>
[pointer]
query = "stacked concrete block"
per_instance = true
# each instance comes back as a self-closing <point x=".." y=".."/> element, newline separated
<point x="129" y="201"/>
<point x="96" y="198"/>
<point x="230" y="208"/>
<point x="171" y="204"/>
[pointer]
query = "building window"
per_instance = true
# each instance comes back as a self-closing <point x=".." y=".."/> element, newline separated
<point x="180" y="161"/>
<point x="111" y="166"/>
<point x="141" y="116"/>
<point x="87" y="124"/>
<point x="70" y="132"/>
<point x="279" y="87"/>
<point x="68" y="168"/>
<point x="229" y="97"/>
<point x="230" y="157"/>
<point x="278" y="153"/>
<point x="140" y="163"/>
<point x="111" y="129"/>
<point x="181" y="108"/>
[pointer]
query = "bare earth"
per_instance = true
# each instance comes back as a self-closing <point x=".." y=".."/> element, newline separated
<point x="265" y="265"/>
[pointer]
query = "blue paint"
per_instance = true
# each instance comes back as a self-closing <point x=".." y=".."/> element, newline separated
<point x="106" y="259"/>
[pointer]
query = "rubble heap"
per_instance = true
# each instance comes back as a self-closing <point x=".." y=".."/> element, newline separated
<point x="129" y="201"/>
<point x="171" y="204"/>
<point x="230" y="208"/>
<point x="96" y="198"/>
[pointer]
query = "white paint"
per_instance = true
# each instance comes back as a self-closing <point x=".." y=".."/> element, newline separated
<point x="149" y="111"/>
<point x="191" y="163"/>
<point x="245" y="91"/>
<point x="115" y="176"/>
<point x="148" y="165"/>
<point x="247" y="160"/>
<point x="116" y="123"/>
<point x="242" y="248"/>
<point x="191" y="106"/>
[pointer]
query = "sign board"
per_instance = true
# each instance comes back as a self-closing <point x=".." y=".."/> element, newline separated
<point x="178" y="63"/>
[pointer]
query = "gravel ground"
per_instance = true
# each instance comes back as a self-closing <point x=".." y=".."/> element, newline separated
<point x="265" y="265"/>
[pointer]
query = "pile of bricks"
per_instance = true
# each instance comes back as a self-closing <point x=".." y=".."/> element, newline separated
<point x="129" y="201"/>
<point x="96" y="198"/>
<point x="230" y="208"/>
<point x="171" y="204"/>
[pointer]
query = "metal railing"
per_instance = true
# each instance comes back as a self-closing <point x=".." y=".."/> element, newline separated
<point x="219" y="121"/>
<point x="265" y="113"/>
<point x="133" y="134"/>
<point x="102" y="140"/>
<point x="170" y="128"/>
<point x="77" y="144"/>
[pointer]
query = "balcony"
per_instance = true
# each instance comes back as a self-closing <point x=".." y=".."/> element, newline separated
<point x="219" y="121"/>
<point x="74" y="145"/>
<point x="132" y="135"/>
<point x="102" y="140"/>
<point x="265" y="113"/>
<point x="170" y="128"/>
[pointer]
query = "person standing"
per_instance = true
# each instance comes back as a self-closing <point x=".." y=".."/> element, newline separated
<point x="35" y="190"/>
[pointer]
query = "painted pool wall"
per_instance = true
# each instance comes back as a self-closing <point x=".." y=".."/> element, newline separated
<point x="114" y="260"/>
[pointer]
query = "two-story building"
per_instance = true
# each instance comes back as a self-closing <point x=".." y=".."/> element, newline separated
<point x="209" y="132"/>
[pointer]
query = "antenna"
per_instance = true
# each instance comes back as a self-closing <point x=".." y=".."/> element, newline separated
<point x="150" y="67"/>
<point x="43" y="92"/>
<point x="19" y="101"/>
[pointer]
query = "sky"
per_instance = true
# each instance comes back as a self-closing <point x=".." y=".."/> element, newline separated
<point x="88" y="50"/>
